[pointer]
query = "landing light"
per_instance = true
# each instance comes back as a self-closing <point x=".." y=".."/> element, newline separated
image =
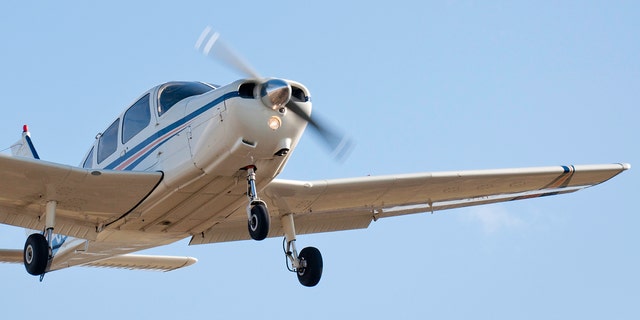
<point x="274" y="123"/>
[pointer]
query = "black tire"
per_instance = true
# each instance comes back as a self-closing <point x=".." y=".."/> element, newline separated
<point x="258" y="222"/>
<point x="36" y="254"/>
<point x="310" y="275"/>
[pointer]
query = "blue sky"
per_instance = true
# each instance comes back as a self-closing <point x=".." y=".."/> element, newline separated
<point x="420" y="86"/>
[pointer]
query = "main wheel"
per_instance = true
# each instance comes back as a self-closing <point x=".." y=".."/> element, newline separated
<point x="259" y="222"/>
<point x="36" y="254"/>
<point x="310" y="275"/>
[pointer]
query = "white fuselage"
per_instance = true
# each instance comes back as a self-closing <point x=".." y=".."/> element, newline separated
<point x="201" y="144"/>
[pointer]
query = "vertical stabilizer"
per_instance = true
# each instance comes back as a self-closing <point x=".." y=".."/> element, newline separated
<point x="24" y="147"/>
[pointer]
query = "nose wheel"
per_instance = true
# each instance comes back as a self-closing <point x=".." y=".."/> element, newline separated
<point x="257" y="213"/>
<point x="258" y="222"/>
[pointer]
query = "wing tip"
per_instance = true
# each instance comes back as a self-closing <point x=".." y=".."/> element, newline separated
<point x="190" y="261"/>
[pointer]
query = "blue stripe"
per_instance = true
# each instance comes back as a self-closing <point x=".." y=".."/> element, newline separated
<point x="166" y="130"/>
<point x="31" y="147"/>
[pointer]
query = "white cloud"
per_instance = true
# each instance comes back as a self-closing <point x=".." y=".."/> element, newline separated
<point x="493" y="218"/>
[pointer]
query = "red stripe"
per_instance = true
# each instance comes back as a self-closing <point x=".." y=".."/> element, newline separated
<point x="166" y="136"/>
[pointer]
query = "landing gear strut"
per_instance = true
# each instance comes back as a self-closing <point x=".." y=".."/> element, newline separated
<point x="257" y="212"/>
<point x="38" y="251"/>
<point x="308" y="264"/>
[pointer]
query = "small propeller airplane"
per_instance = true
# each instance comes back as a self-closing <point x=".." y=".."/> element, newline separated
<point x="200" y="161"/>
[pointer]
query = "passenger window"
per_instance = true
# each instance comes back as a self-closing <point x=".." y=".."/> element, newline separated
<point x="136" y="119"/>
<point x="88" y="162"/>
<point x="108" y="143"/>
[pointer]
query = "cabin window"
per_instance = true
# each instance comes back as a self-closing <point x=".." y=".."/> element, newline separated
<point x="136" y="119"/>
<point x="174" y="92"/>
<point x="88" y="162"/>
<point x="108" y="143"/>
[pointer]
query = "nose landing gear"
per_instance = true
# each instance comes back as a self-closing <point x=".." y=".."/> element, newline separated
<point x="257" y="213"/>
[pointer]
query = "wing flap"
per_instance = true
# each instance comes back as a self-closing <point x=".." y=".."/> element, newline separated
<point x="305" y="224"/>
<point x="86" y="198"/>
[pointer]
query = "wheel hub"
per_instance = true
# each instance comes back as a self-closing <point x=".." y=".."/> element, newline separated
<point x="253" y="222"/>
<point x="28" y="254"/>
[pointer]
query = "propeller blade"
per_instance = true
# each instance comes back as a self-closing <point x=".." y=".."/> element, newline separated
<point x="339" y="144"/>
<point x="212" y="46"/>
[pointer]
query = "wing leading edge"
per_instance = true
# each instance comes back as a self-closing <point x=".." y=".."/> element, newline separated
<point x="343" y="204"/>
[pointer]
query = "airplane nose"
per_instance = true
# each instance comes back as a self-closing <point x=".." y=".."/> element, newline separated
<point x="275" y="93"/>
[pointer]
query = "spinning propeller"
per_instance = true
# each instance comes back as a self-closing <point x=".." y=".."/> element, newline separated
<point x="274" y="93"/>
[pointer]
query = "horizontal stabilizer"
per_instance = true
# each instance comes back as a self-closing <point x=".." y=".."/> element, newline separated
<point x="11" y="256"/>
<point x="127" y="261"/>
<point x="142" y="262"/>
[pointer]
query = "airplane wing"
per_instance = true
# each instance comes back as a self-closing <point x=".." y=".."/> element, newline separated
<point x="86" y="197"/>
<point x="343" y="204"/>
<point x="127" y="261"/>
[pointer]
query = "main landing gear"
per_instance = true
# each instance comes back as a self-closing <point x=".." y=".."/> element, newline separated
<point x="37" y="249"/>
<point x="37" y="254"/>
<point x="308" y="263"/>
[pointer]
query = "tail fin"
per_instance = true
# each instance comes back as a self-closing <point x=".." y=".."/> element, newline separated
<point x="24" y="147"/>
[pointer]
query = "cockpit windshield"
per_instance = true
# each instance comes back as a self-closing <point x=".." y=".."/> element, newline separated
<point x="173" y="92"/>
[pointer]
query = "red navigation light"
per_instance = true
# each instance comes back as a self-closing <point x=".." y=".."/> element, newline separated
<point x="25" y="128"/>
